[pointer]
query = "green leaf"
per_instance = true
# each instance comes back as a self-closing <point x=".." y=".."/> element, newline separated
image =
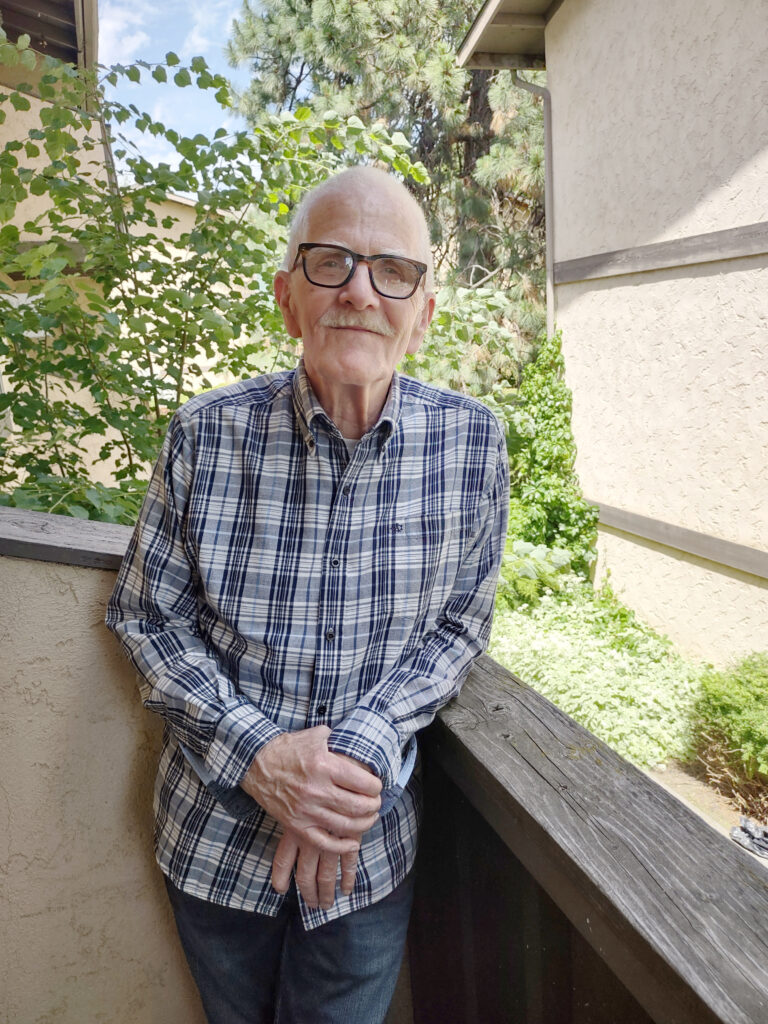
<point x="159" y="74"/>
<point x="182" y="78"/>
<point x="22" y="42"/>
<point x="19" y="102"/>
<point x="133" y="74"/>
<point x="171" y="59"/>
<point x="198" y="64"/>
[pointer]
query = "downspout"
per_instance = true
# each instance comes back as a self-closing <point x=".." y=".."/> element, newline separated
<point x="549" y="220"/>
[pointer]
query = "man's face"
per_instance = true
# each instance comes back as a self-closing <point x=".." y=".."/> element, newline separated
<point x="353" y="336"/>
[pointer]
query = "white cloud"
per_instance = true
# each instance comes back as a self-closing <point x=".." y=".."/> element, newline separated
<point x="122" y="35"/>
<point x="211" y="24"/>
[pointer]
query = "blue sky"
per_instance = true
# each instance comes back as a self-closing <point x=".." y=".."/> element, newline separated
<point x="132" y="30"/>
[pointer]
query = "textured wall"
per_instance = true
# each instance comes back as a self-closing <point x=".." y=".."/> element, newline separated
<point x="85" y="933"/>
<point x="659" y="120"/>
<point x="660" y="130"/>
<point x="714" y="615"/>
<point x="669" y="378"/>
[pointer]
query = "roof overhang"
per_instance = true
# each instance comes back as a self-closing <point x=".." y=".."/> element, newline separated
<point x="67" y="29"/>
<point x="508" y="34"/>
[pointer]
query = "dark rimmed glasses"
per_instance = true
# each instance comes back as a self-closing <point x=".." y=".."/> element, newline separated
<point x="331" y="266"/>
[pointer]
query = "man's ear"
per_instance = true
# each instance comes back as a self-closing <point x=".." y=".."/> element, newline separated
<point x="423" y="322"/>
<point x="282" y="289"/>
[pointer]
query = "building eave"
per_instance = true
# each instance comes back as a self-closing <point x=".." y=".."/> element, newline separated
<point x="508" y="34"/>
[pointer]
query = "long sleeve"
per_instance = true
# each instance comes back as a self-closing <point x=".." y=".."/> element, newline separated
<point x="410" y="694"/>
<point x="154" y="613"/>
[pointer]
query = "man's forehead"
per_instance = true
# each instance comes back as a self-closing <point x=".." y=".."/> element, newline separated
<point x="354" y="219"/>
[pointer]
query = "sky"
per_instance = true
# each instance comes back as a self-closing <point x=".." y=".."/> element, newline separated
<point x="132" y="30"/>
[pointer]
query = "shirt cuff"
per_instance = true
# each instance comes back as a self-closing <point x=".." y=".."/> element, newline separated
<point x="240" y="734"/>
<point x="389" y="797"/>
<point x="370" y="738"/>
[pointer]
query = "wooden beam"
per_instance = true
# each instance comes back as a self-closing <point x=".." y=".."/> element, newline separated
<point x="729" y="244"/>
<point x="674" y="909"/>
<point x="713" y="549"/>
<point x="50" y="538"/>
<point x="520" y="21"/>
<point x="518" y="61"/>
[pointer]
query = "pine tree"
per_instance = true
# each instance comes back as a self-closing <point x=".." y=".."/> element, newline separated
<point x="392" y="60"/>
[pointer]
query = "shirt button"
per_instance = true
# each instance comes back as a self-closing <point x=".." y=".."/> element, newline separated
<point x="330" y="634"/>
<point x="321" y="710"/>
<point x="345" y="490"/>
<point x="335" y="563"/>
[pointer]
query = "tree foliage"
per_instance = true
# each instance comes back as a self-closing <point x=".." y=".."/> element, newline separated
<point x="393" y="61"/>
<point x="112" y="310"/>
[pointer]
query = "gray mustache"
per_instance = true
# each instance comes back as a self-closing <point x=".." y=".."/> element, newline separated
<point x="366" y="321"/>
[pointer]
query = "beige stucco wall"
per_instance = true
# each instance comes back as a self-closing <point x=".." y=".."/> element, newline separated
<point x="670" y="384"/>
<point x="659" y="120"/>
<point x="713" y="614"/>
<point x="85" y="933"/>
<point x="660" y="131"/>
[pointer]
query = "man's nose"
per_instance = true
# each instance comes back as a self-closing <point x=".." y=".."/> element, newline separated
<point x="359" y="291"/>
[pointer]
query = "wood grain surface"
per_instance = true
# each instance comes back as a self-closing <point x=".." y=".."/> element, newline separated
<point x="677" y="911"/>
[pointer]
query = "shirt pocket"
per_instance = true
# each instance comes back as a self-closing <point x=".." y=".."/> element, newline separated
<point x="421" y="554"/>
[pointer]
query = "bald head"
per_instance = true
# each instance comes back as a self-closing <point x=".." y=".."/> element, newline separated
<point x="357" y="185"/>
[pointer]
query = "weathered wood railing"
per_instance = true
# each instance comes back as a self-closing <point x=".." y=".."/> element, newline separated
<point x="560" y="884"/>
<point x="556" y="882"/>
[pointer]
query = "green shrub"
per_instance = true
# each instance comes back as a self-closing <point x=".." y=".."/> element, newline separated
<point x="590" y="655"/>
<point x="730" y="732"/>
<point x="528" y="571"/>
<point x="542" y="453"/>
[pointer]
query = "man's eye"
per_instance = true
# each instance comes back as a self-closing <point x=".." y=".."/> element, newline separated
<point x="331" y="261"/>
<point x="394" y="270"/>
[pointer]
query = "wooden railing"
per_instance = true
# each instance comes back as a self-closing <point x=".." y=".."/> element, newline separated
<point x="556" y="882"/>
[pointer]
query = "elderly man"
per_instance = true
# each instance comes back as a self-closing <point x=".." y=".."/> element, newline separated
<point x="312" y="573"/>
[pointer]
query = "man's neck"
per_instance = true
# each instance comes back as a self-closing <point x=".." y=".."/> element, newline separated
<point x="353" y="409"/>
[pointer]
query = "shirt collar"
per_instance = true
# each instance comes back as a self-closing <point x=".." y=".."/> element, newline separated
<point x="310" y="414"/>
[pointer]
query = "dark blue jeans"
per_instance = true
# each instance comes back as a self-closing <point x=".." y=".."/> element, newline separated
<point x="254" y="969"/>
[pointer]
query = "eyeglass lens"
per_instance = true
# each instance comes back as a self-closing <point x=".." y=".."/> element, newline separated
<point x="330" y="267"/>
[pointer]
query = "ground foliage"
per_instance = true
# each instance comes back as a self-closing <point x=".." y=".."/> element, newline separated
<point x="590" y="655"/>
<point x="729" y="741"/>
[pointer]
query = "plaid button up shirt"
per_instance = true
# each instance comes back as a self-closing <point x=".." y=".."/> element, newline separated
<point x="274" y="583"/>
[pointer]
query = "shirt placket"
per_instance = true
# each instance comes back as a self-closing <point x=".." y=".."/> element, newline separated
<point x="331" y="619"/>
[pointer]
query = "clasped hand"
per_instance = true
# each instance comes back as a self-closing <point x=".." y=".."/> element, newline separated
<point x="325" y="803"/>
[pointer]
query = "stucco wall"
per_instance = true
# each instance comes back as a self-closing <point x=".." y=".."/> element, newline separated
<point x="85" y="933"/>
<point x="660" y="131"/>
<point x="713" y="614"/>
<point x="669" y="379"/>
<point x="659" y="120"/>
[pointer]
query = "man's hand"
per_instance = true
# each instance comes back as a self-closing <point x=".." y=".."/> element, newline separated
<point x="315" y="871"/>
<point x="325" y="800"/>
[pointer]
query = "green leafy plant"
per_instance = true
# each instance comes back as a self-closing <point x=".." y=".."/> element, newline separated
<point x="548" y="504"/>
<point x="730" y="732"/>
<point x="591" y="656"/>
<point x="113" y="309"/>
<point x="529" y="571"/>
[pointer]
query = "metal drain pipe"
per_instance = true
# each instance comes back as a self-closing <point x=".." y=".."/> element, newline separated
<point x="549" y="220"/>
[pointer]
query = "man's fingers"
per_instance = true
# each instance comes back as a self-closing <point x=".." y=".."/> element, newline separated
<point x="328" y="843"/>
<point x="306" y="875"/>
<point x="327" y="870"/>
<point x="348" y="871"/>
<point x="352" y="775"/>
<point x="282" y="863"/>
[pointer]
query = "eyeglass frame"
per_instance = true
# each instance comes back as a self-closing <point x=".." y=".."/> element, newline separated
<point x="357" y="257"/>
